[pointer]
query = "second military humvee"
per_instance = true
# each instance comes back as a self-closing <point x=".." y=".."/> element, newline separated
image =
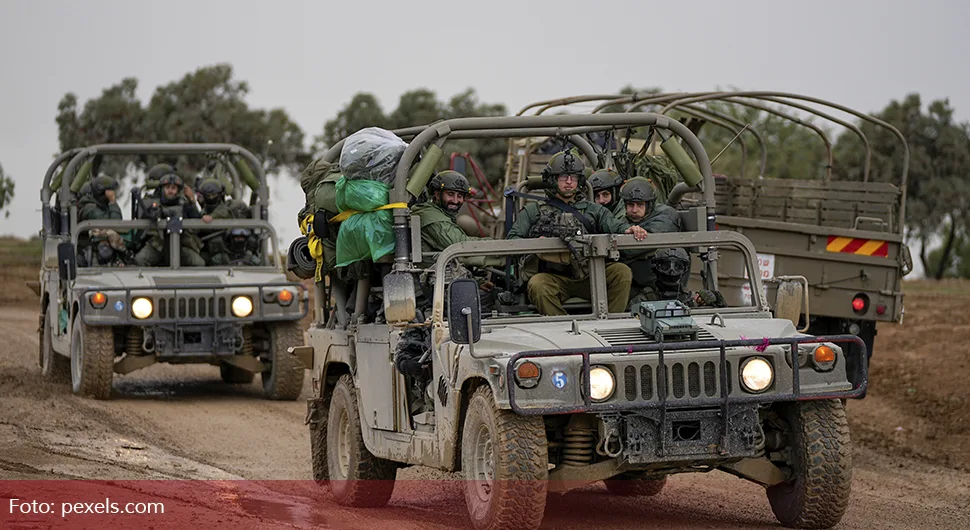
<point x="525" y="404"/>
<point x="98" y="320"/>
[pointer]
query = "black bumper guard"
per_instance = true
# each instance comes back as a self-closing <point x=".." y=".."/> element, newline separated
<point x="861" y="378"/>
<point x="259" y="316"/>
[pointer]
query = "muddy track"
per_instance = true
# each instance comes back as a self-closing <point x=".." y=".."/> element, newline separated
<point x="183" y="422"/>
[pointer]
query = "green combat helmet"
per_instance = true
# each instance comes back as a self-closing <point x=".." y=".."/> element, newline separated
<point x="639" y="189"/>
<point x="606" y="180"/>
<point x="100" y="185"/>
<point x="449" y="181"/>
<point x="564" y="163"/>
<point x="213" y="192"/>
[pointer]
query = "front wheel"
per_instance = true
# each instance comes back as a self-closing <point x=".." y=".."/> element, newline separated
<point x="92" y="359"/>
<point x="821" y="464"/>
<point x="284" y="379"/>
<point x="504" y="457"/>
<point x="53" y="366"/>
<point x="356" y="477"/>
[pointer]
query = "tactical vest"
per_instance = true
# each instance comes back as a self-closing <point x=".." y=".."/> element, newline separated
<point x="553" y="222"/>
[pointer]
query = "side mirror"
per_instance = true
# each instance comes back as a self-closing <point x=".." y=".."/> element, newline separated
<point x="66" y="261"/>
<point x="464" y="311"/>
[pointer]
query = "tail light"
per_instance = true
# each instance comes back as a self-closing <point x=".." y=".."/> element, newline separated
<point x="860" y="304"/>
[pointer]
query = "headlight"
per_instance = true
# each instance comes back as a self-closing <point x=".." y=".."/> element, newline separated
<point x="141" y="308"/>
<point x="756" y="374"/>
<point x="601" y="383"/>
<point x="242" y="306"/>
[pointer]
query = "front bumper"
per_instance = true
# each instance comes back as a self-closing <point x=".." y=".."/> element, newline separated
<point x="655" y="378"/>
<point x="195" y="304"/>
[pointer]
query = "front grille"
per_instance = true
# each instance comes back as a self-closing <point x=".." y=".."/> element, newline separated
<point x="189" y="307"/>
<point x="684" y="380"/>
<point x="636" y="336"/>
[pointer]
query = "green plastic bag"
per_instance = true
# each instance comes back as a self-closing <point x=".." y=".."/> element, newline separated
<point x="370" y="233"/>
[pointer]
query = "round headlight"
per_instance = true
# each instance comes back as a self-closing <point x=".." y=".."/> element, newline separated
<point x="141" y="308"/>
<point x="242" y="306"/>
<point x="756" y="374"/>
<point x="601" y="383"/>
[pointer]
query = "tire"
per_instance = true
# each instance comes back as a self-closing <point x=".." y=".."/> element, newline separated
<point x="355" y="476"/>
<point x="318" y="440"/>
<point x="504" y="458"/>
<point x="54" y="367"/>
<point x="234" y="375"/>
<point x="632" y="485"/>
<point x="284" y="380"/>
<point x="92" y="359"/>
<point x="821" y="461"/>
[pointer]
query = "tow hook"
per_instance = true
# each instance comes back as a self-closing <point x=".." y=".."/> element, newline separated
<point x="610" y="444"/>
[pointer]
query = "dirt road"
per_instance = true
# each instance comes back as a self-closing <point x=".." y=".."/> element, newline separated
<point x="182" y="422"/>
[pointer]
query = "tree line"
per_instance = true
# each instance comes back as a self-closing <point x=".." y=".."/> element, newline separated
<point x="209" y="105"/>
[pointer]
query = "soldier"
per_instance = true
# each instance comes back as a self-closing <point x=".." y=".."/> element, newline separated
<point x="642" y="209"/>
<point x="174" y="200"/>
<point x="565" y="213"/>
<point x="214" y="206"/>
<point x="237" y="249"/>
<point x="606" y="191"/>
<point x="99" y="202"/>
<point x="439" y="229"/>
<point x="670" y="265"/>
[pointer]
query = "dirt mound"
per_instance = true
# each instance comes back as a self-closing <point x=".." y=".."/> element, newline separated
<point x="919" y="400"/>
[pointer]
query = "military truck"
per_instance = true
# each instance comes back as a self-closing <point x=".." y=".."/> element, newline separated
<point x="839" y="242"/>
<point x="97" y="320"/>
<point x="524" y="404"/>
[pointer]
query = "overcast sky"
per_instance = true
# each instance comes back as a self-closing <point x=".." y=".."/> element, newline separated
<point x="311" y="57"/>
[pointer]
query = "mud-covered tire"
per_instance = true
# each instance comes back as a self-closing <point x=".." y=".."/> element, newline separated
<point x="92" y="359"/>
<point x="54" y="367"/>
<point x="504" y="458"/>
<point x="633" y="485"/>
<point x="318" y="439"/>
<point x="355" y="476"/>
<point x="235" y="375"/>
<point x="821" y="461"/>
<point x="284" y="379"/>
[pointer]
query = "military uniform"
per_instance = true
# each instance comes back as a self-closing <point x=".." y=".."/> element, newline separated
<point x="93" y="204"/>
<point x="553" y="279"/>
<point x="90" y="209"/>
<point x="659" y="219"/>
<point x="153" y="252"/>
<point x="439" y="230"/>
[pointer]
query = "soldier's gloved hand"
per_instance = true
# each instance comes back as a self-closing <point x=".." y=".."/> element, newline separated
<point x="486" y="285"/>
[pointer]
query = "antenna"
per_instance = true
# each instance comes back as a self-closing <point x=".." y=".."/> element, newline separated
<point x="729" y="143"/>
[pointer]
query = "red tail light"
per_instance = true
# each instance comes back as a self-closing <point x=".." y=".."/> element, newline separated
<point x="860" y="303"/>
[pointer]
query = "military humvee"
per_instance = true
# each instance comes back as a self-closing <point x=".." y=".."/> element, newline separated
<point x="524" y="404"/>
<point x="97" y="321"/>
<point x="839" y="242"/>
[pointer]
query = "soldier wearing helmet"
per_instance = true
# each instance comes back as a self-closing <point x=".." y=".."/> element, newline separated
<point x="606" y="191"/>
<point x="99" y="202"/>
<point x="670" y="266"/>
<point x="642" y="209"/>
<point x="173" y="200"/>
<point x="447" y="192"/>
<point x="553" y="281"/>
